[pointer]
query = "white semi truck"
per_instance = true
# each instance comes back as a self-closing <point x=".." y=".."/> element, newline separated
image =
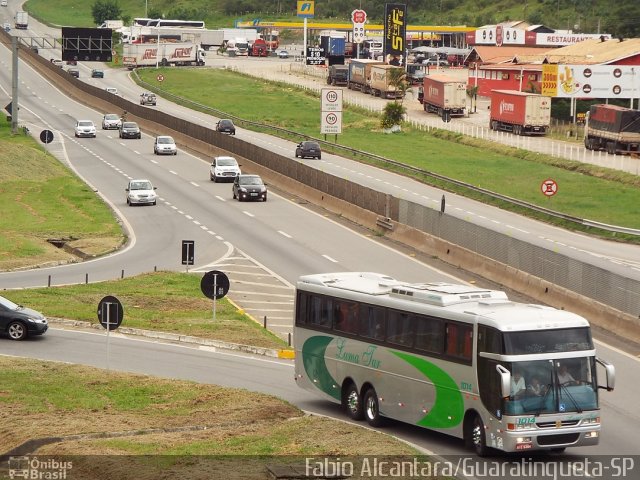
<point x="164" y="54"/>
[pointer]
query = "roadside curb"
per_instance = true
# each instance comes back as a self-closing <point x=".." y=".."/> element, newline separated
<point x="176" y="337"/>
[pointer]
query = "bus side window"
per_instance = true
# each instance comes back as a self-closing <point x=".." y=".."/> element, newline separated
<point x="372" y="322"/>
<point x="346" y="317"/>
<point x="320" y="314"/>
<point x="429" y="334"/>
<point x="459" y="340"/>
<point x="399" y="328"/>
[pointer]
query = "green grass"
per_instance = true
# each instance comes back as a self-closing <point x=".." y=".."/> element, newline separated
<point x="45" y="399"/>
<point x="162" y="301"/>
<point x="516" y="173"/>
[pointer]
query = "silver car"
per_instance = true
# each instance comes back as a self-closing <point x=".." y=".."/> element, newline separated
<point x="111" y="121"/>
<point x="85" y="128"/>
<point x="141" y="192"/>
<point x="165" y="145"/>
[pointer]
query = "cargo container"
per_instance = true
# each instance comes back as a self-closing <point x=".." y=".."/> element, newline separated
<point x="443" y="95"/>
<point x="522" y="113"/>
<point x="380" y="82"/>
<point x="612" y="128"/>
<point x="360" y="74"/>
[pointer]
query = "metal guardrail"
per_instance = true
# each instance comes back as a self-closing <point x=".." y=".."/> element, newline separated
<point x="400" y="165"/>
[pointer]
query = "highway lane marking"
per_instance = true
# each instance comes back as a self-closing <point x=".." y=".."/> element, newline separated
<point x="249" y="214"/>
<point x="123" y="144"/>
<point x="221" y="198"/>
<point x="220" y="238"/>
<point x="284" y="234"/>
<point x="189" y="217"/>
<point x="154" y="161"/>
<point x="197" y="222"/>
<point x="136" y="152"/>
<point x="204" y="227"/>
<point x="330" y="259"/>
<point x="210" y="232"/>
<point x="172" y="172"/>
<point x="194" y="184"/>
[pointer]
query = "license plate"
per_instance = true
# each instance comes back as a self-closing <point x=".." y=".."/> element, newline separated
<point x="254" y="194"/>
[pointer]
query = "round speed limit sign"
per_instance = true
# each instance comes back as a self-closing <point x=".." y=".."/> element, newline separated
<point x="160" y="77"/>
<point x="549" y="187"/>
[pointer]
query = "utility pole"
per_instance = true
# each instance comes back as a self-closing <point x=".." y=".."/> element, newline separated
<point x="14" y="85"/>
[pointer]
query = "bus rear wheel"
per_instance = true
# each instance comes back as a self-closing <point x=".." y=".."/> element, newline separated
<point x="371" y="409"/>
<point x="353" y="403"/>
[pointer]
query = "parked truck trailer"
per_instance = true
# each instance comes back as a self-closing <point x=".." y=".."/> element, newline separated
<point x="613" y="129"/>
<point x="522" y="113"/>
<point x="360" y="74"/>
<point x="381" y="84"/>
<point x="21" y="20"/>
<point x="443" y="95"/>
<point x="152" y="54"/>
<point x="338" y="75"/>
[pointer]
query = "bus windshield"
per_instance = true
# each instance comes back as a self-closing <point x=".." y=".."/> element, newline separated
<point x="552" y="386"/>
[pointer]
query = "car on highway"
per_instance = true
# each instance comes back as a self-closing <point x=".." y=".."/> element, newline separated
<point x="249" y="187"/>
<point x="6" y="27"/>
<point x="224" y="168"/>
<point x="164" y="145"/>
<point x="85" y="128"/>
<point x="283" y="54"/>
<point x="57" y="62"/>
<point x="97" y="73"/>
<point x="226" y="126"/>
<point x="141" y="192"/>
<point x="112" y="90"/>
<point x="74" y="72"/>
<point x="18" y="322"/>
<point x="129" y="130"/>
<point x="111" y="121"/>
<point x="147" y="98"/>
<point x="308" y="149"/>
<point x="3" y="3"/>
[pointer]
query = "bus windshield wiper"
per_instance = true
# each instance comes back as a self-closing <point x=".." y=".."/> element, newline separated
<point x="573" y="400"/>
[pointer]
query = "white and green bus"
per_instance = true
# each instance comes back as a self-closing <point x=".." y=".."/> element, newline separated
<point x="458" y="359"/>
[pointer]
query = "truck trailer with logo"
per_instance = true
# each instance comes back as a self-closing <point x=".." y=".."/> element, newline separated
<point x="360" y="74"/>
<point x="443" y="95"/>
<point x="613" y="129"/>
<point x="381" y="84"/>
<point x="522" y="113"/>
<point x="151" y="54"/>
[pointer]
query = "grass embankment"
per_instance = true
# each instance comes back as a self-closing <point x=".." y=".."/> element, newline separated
<point x="42" y="399"/>
<point x="42" y="199"/>
<point x="162" y="301"/>
<point x="585" y="191"/>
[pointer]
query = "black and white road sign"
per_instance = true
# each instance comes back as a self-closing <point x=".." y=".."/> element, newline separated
<point x="214" y="284"/>
<point x="110" y="312"/>
<point x="46" y="136"/>
<point x="188" y="252"/>
<point x="331" y="122"/>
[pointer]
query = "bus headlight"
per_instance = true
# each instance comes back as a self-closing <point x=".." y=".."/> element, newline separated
<point x="591" y="421"/>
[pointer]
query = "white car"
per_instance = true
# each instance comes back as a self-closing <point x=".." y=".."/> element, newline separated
<point x="112" y="90"/>
<point x="57" y="62"/>
<point x="85" y="128"/>
<point x="141" y="192"/>
<point x="224" y="168"/>
<point x="165" y="145"/>
<point x="111" y="121"/>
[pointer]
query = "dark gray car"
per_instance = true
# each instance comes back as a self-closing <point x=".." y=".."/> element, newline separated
<point x="249" y="187"/>
<point x="130" y="130"/>
<point x="308" y="149"/>
<point x="18" y="322"/>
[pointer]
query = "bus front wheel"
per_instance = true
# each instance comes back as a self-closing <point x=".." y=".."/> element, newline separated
<point x="353" y="402"/>
<point x="478" y="437"/>
<point x="371" y="409"/>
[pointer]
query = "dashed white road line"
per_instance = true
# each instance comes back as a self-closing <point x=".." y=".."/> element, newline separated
<point x="284" y="234"/>
<point x="330" y="259"/>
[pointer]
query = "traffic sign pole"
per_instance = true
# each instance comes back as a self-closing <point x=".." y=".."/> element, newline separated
<point x="215" y="289"/>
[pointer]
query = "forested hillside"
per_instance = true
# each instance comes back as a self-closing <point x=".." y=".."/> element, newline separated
<point x="619" y="18"/>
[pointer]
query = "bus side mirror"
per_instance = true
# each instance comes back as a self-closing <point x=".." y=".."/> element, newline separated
<point x="505" y="381"/>
<point x="610" y="372"/>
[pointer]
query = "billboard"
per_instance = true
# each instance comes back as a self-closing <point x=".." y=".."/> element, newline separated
<point x="395" y="29"/>
<point x="591" y="81"/>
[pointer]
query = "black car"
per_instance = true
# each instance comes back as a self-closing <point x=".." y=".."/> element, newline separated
<point x="130" y="130"/>
<point x="226" y="126"/>
<point x="249" y="187"/>
<point x="18" y="322"/>
<point x="308" y="149"/>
